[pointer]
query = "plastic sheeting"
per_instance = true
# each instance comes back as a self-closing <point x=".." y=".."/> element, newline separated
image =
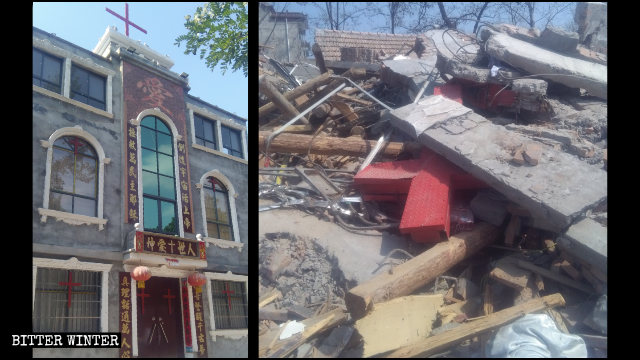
<point x="535" y="335"/>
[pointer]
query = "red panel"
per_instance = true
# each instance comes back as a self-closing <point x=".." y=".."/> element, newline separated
<point x="450" y="91"/>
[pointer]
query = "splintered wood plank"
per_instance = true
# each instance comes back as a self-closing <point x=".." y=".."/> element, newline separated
<point x="508" y="273"/>
<point x="398" y="322"/>
<point x="419" y="271"/>
<point x="440" y="342"/>
<point x="271" y="346"/>
<point x="269" y="297"/>
<point x="556" y="277"/>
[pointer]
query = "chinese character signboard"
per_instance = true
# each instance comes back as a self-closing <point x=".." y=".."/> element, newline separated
<point x="186" y="316"/>
<point x="169" y="245"/>
<point x="198" y="313"/>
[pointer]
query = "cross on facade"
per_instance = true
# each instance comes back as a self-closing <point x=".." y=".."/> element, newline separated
<point x="228" y="292"/>
<point x="143" y="295"/>
<point x="69" y="284"/>
<point x="213" y="182"/>
<point x="169" y="297"/>
<point x="77" y="144"/>
<point x="126" y="19"/>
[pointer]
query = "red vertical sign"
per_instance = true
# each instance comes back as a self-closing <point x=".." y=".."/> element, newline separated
<point x="186" y="316"/>
<point x="125" y="314"/>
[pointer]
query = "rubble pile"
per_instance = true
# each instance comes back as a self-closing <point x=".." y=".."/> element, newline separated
<point x="485" y="155"/>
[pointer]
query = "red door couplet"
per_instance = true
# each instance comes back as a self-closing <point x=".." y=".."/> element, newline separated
<point x="160" y="331"/>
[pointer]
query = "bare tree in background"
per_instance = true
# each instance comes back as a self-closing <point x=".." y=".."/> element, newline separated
<point x="394" y="13"/>
<point x="336" y="15"/>
<point x="536" y="14"/>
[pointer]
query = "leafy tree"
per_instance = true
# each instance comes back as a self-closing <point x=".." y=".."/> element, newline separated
<point x="219" y="32"/>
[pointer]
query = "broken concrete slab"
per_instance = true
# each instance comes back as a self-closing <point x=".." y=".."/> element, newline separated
<point x="409" y="73"/>
<point x="460" y="70"/>
<point x="530" y="86"/>
<point x="435" y="109"/>
<point x="453" y="44"/>
<point x="562" y="69"/>
<point x="398" y="322"/>
<point x="559" y="40"/>
<point x="556" y="191"/>
<point x="529" y="35"/>
<point x="587" y="240"/>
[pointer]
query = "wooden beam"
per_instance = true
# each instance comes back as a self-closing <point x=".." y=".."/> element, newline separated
<point x="320" y="145"/>
<point x="509" y="274"/>
<point x="354" y="99"/>
<point x="280" y="101"/>
<point x="419" y="271"/>
<point x="269" y="297"/>
<point x="556" y="277"/>
<point x="271" y="346"/>
<point x="441" y="342"/>
<point x="297" y="92"/>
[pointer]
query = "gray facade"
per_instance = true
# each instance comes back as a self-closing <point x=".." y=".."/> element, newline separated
<point x="282" y="34"/>
<point x="104" y="243"/>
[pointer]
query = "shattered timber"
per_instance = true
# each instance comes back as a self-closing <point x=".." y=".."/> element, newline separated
<point x="419" y="194"/>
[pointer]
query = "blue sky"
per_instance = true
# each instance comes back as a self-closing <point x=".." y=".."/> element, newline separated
<point x="369" y="23"/>
<point x="84" y="23"/>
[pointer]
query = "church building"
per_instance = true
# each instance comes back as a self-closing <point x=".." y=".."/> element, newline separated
<point x="140" y="204"/>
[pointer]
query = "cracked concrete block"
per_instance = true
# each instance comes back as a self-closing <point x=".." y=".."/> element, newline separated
<point x="571" y="72"/>
<point x="530" y="86"/>
<point x="490" y="162"/>
<point x="587" y="240"/>
<point x="556" y="39"/>
<point x="490" y="207"/>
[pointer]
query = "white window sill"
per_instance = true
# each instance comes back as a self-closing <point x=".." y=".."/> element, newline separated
<point x="224" y="244"/>
<point x="219" y="153"/>
<point x="71" y="219"/>
<point x="233" y="334"/>
<point x="71" y="101"/>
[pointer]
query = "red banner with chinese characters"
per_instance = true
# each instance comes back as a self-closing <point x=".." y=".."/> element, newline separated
<point x="185" y="180"/>
<point x="186" y="315"/>
<point x="125" y="314"/>
<point x="201" y="330"/>
<point x="131" y="175"/>
<point x="170" y="245"/>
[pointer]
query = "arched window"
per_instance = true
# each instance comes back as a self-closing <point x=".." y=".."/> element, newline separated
<point x="158" y="177"/>
<point x="218" y="215"/>
<point x="74" y="177"/>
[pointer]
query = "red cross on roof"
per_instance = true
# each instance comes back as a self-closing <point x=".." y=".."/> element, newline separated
<point x="126" y="19"/>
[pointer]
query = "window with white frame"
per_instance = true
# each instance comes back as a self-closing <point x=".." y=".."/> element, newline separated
<point x="66" y="76"/>
<point x="212" y="133"/>
<point x="229" y="302"/>
<point x="218" y="216"/>
<point x="74" y="178"/>
<point x="88" y="87"/>
<point x="70" y="295"/>
<point x="205" y="131"/>
<point x="47" y="71"/>
<point x="67" y="300"/>
<point x="231" y="141"/>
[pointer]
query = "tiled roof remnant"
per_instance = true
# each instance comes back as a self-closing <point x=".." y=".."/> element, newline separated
<point x="383" y="45"/>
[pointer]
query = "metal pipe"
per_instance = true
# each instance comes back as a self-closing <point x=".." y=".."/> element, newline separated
<point x="283" y="127"/>
<point x="376" y="149"/>
<point x="366" y="93"/>
<point x="286" y="31"/>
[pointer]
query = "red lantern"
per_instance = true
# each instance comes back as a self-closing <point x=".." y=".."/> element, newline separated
<point x="140" y="274"/>
<point x="197" y="280"/>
